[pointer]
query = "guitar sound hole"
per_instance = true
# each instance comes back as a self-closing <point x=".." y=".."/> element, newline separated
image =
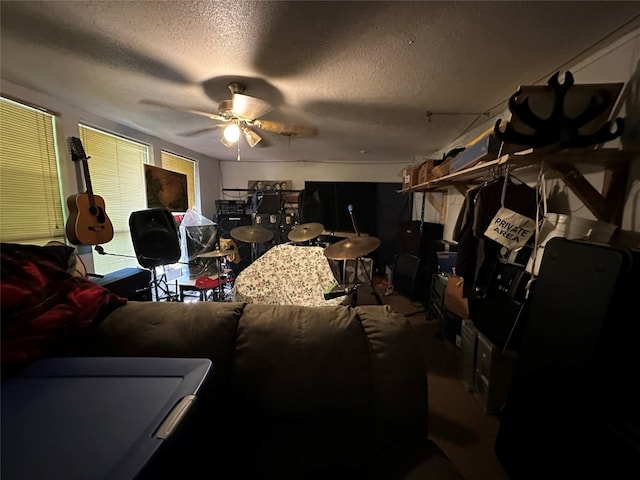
<point x="98" y="213"/>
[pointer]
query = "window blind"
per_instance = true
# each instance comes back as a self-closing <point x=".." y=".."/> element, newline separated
<point x="31" y="209"/>
<point x="116" y="167"/>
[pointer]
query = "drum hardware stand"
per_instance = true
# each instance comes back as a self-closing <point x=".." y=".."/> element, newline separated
<point x="161" y="285"/>
<point x="219" y="255"/>
<point x="354" y="293"/>
<point x="254" y="252"/>
<point x="353" y="244"/>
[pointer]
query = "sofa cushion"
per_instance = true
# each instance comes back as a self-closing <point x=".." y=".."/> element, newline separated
<point x="299" y="375"/>
<point x="311" y="371"/>
<point x="399" y="398"/>
<point x="298" y="361"/>
<point x="170" y="329"/>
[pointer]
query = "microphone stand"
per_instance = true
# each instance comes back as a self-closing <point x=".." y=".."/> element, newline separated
<point x="353" y="220"/>
<point x="359" y="260"/>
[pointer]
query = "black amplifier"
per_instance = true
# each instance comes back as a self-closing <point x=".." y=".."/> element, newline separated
<point x="131" y="283"/>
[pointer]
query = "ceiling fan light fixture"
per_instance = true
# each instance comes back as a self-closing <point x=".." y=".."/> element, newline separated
<point x="231" y="134"/>
<point x="242" y="113"/>
<point x="250" y="136"/>
<point x="225" y="142"/>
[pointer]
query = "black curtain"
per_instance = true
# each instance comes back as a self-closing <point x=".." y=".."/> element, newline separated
<point x="377" y="209"/>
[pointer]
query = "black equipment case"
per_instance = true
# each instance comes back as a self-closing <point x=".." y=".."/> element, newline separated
<point x="572" y="408"/>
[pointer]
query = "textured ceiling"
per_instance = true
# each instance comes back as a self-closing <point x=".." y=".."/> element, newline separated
<point x="364" y="73"/>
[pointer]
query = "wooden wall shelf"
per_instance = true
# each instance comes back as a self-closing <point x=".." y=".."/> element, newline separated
<point x="606" y="204"/>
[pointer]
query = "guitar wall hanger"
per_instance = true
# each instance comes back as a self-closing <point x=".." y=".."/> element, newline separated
<point x="587" y="127"/>
<point x="88" y="222"/>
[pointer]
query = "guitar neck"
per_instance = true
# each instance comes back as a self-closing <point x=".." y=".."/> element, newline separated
<point x="87" y="180"/>
<point x="78" y="154"/>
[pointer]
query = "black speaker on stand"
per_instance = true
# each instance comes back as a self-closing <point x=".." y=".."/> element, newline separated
<point x="414" y="237"/>
<point x="408" y="276"/>
<point x="156" y="241"/>
<point x="417" y="245"/>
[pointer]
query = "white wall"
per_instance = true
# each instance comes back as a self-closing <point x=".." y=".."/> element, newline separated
<point x="238" y="174"/>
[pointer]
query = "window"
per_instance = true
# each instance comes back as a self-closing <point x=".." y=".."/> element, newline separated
<point x="117" y="175"/>
<point x="185" y="166"/>
<point x="30" y="200"/>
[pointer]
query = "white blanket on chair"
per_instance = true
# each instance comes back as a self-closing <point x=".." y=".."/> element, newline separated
<point x="287" y="275"/>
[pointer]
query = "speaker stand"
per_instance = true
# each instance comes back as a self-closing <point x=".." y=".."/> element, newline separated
<point x="161" y="288"/>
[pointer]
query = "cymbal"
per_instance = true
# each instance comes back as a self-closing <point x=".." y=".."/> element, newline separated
<point x="305" y="232"/>
<point x="251" y="234"/>
<point x="216" y="253"/>
<point x="353" y="247"/>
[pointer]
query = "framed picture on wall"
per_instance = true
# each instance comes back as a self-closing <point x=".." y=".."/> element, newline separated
<point x="166" y="189"/>
<point x="269" y="185"/>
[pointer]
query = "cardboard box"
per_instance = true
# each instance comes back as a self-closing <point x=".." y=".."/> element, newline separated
<point x="442" y="169"/>
<point x="424" y="171"/>
<point x="409" y="176"/>
<point x="453" y="299"/>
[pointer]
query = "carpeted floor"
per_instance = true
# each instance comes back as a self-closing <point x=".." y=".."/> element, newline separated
<point x="457" y="422"/>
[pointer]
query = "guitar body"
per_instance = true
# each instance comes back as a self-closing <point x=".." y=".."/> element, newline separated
<point x="88" y="224"/>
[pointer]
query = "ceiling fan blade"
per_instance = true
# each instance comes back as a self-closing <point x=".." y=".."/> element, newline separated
<point x="286" y="129"/>
<point x="201" y="130"/>
<point x="211" y="116"/>
<point x="249" y="107"/>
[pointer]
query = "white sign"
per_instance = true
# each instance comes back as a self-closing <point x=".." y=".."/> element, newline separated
<point x="510" y="228"/>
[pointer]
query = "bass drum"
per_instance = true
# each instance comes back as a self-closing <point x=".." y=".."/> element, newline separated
<point x="326" y="240"/>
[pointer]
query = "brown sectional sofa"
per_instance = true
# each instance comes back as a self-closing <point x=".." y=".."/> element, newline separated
<point x="295" y="392"/>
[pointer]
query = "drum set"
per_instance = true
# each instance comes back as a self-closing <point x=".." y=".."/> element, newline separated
<point x="346" y="249"/>
<point x="308" y="234"/>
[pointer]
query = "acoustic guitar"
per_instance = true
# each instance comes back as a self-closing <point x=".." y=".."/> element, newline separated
<point x="88" y="222"/>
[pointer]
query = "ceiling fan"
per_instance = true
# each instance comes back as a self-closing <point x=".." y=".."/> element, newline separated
<point x="240" y="115"/>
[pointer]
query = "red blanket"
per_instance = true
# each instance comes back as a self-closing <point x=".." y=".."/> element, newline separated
<point x="46" y="311"/>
